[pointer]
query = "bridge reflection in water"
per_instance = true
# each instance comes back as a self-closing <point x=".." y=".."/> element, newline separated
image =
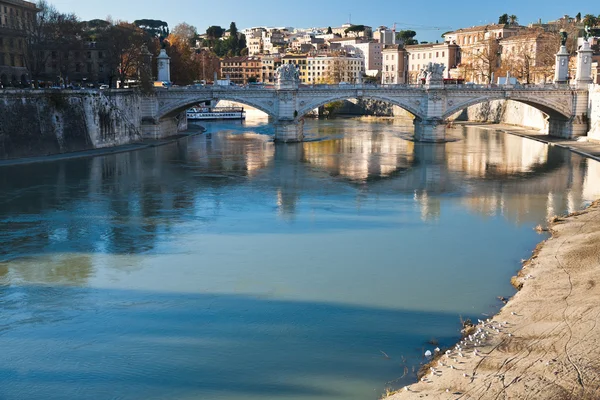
<point x="493" y="173"/>
<point x="249" y="269"/>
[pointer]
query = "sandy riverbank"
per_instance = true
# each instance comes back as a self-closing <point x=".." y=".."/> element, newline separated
<point x="544" y="344"/>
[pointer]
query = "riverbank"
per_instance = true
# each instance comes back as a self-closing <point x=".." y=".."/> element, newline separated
<point x="586" y="147"/>
<point x="544" y="343"/>
<point x="145" y="144"/>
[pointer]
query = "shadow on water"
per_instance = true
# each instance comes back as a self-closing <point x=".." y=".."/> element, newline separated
<point x="163" y="345"/>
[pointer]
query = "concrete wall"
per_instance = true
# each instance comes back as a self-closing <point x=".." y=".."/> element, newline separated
<point x="594" y="112"/>
<point x="36" y="122"/>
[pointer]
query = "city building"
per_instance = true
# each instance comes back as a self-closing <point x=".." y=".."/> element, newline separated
<point x="242" y="70"/>
<point x="269" y="64"/>
<point x="326" y="68"/>
<point x="419" y="55"/>
<point x="529" y="56"/>
<point x="384" y="35"/>
<point x="273" y="41"/>
<point x="254" y="42"/>
<point x="16" y="19"/>
<point x="334" y="69"/>
<point x="394" y="69"/>
<point x="299" y="60"/>
<point x="371" y="53"/>
<point x="479" y="50"/>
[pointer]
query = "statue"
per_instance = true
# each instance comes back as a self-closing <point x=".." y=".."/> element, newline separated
<point x="287" y="72"/>
<point x="563" y="37"/>
<point x="434" y="73"/>
<point x="586" y="33"/>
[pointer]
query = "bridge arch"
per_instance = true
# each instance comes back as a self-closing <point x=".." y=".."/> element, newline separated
<point x="405" y="104"/>
<point x="171" y="108"/>
<point x="555" y="110"/>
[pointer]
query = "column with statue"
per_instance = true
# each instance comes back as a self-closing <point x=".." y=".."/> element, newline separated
<point x="561" y="71"/>
<point x="584" y="62"/>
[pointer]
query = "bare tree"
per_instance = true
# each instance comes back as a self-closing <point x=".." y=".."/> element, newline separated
<point x="51" y="38"/>
<point x="484" y="59"/>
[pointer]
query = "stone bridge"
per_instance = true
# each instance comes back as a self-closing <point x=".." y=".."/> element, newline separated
<point x="431" y="105"/>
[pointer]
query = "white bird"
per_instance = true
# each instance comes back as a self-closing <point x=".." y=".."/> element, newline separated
<point x="437" y="350"/>
<point x="452" y="367"/>
<point x="513" y="313"/>
<point x="428" y="353"/>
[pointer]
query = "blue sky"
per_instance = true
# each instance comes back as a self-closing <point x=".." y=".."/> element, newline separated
<point x="311" y="13"/>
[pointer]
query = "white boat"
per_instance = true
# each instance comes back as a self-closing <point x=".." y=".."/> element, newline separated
<point x="206" y="113"/>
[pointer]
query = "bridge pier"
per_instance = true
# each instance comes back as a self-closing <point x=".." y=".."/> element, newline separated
<point x="567" y="128"/>
<point x="289" y="131"/>
<point x="164" y="127"/>
<point x="430" y="130"/>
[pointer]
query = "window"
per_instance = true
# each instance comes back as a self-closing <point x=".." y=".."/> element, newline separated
<point x="100" y="67"/>
<point x="443" y="54"/>
<point x="12" y="60"/>
<point x="1" y="58"/>
<point x="89" y="68"/>
<point x="77" y="67"/>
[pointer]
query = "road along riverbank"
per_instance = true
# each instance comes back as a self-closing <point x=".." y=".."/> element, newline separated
<point x="544" y="343"/>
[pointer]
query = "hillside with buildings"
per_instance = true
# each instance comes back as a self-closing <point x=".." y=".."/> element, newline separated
<point x="42" y="46"/>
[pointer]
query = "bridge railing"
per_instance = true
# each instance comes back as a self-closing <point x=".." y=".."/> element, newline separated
<point x="367" y="86"/>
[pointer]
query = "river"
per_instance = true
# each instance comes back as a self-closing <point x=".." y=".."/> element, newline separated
<point x="225" y="266"/>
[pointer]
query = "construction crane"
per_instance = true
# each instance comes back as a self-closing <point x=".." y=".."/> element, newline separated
<point x="419" y="27"/>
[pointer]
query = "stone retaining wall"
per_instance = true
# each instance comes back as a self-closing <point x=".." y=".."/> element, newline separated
<point x="594" y="112"/>
<point x="37" y="122"/>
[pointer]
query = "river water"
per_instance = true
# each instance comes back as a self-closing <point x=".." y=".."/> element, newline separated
<point x="228" y="267"/>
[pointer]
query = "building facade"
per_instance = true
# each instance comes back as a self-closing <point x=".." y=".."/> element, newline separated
<point x="242" y="70"/>
<point x="394" y="71"/>
<point x="420" y="55"/>
<point x="16" y="19"/>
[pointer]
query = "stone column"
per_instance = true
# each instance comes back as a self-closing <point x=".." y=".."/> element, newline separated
<point x="164" y="67"/>
<point x="430" y="130"/>
<point x="289" y="131"/>
<point x="561" y="71"/>
<point x="584" y="66"/>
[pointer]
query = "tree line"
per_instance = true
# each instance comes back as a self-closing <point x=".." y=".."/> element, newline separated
<point x="62" y="40"/>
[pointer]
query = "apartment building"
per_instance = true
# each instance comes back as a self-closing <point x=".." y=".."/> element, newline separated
<point x="16" y="19"/>
<point x="241" y="70"/>
<point x="419" y="55"/>
<point x="394" y="70"/>
<point x="269" y="64"/>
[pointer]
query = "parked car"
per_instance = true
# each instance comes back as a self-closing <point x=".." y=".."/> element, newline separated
<point x="104" y="87"/>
